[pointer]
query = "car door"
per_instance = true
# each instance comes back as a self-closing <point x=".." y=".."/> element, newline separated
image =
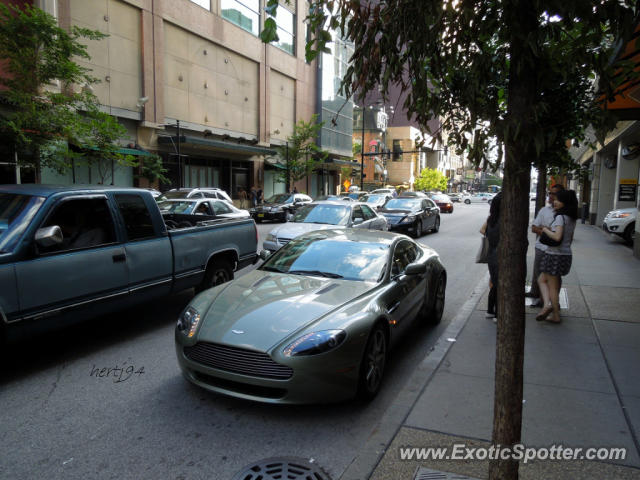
<point x="373" y="221"/>
<point x="407" y="291"/>
<point x="357" y="218"/>
<point x="86" y="272"/>
<point x="147" y="248"/>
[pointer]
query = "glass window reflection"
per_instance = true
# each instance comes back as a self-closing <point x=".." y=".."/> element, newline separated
<point x="245" y="13"/>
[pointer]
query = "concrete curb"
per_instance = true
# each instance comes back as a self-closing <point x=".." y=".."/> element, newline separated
<point x="366" y="461"/>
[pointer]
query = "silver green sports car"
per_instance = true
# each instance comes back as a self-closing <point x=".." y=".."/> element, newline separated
<point x="315" y="321"/>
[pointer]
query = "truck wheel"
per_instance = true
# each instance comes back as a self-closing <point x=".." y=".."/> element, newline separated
<point x="218" y="272"/>
<point x="630" y="233"/>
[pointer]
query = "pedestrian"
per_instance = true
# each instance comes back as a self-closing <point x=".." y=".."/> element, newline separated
<point x="491" y="228"/>
<point x="253" y="193"/>
<point x="295" y="189"/>
<point x="544" y="218"/>
<point x="242" y="194"/>
<point x="259" y="194"/>
<point x="556" y="261"/>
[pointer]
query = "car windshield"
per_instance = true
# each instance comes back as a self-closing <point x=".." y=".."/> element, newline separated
<point x="16" y="211"/>
<point x="173" y="206"/>
<point x="403" y="204"/>
<point x="374" y="198"/>
<point x="332" y="258"/>
<point x="328" y="213"/>
<point x="279" y="198"/>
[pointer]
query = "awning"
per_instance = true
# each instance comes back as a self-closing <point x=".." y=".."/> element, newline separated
<point x="122" y="150"/>
<point x="269" y="162"/>
<point x="207" y="142"/>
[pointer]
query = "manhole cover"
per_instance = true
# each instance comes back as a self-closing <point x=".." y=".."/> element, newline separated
<point x="283" y="468"/>
<point x="428" y="474"/>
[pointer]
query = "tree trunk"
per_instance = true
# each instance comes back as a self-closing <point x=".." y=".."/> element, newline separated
<point x="514" y="221"/>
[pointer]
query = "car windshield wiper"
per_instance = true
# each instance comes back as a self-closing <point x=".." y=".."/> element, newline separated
<point x="316" y="273"/>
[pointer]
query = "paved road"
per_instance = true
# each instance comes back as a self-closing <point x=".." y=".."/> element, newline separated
<point x="58" y="421"/>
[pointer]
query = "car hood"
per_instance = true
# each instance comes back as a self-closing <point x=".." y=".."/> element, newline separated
<point x="261" y="309"/>
<point x="292" y="229"/>
<point x="632" y="210"/>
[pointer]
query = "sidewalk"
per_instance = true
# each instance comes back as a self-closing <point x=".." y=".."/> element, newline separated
<point x="582" y="380"/>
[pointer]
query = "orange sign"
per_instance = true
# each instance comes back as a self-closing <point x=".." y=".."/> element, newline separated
<point x="346" y="184"/>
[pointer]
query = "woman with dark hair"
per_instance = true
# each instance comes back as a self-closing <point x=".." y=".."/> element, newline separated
<point x="491" y="228"/>
<point x="556" y="261"/>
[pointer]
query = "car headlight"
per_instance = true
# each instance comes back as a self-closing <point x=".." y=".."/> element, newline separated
<point x="188" y="321"/>
<point x="270" y="238"/>
<point x="409" y="219"/>
<point x="620" y="215"/>
<point x="315" y="342"/>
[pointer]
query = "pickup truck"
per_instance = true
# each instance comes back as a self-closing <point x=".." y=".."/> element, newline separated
<point x="72" y="252"/>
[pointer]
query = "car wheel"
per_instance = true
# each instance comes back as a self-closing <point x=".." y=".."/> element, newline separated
<point x="217" y="273"/>
<point x="436" y="225"/>
<point x="630" y="233"/>
<point x="419" y="229"/>
<point x="467" y="201"/>
<point x="373" y="364"/>
<point x="433" y="314"/>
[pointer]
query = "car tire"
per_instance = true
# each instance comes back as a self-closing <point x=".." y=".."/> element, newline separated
<point x="217" y="273"/>
<point x="629" y="233"/>
<point x="373" y="363"/>
<point x="467" y="201"/>
<point x="436" y="225"/>
<point x="432" y="313"/>
<point x="419" y="229"/>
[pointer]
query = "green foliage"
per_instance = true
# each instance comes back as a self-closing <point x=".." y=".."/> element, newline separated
<point x="152" y="169"/>
<point x="46" y="113"/>
<point x="301" y="154"/>
<point x="431" y="179"/>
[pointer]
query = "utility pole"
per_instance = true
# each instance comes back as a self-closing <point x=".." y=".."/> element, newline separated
<point x="179" y="157"/>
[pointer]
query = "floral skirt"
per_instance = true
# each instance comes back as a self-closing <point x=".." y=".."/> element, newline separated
<point x="557" y="265"/>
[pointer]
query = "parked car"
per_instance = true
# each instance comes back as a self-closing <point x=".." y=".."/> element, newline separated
<point x="284" y="332"/>
<point x="413" y="194"/>
<point x="390" y="191"/>
<point x="480" y="197"/>
<point x="455" y="197"/>
<point x="202" y="206"/>
<point x="444" y="202"/>
<point x="414" y="216"/>
<point x="355" y="196"/>
<point x="377" y="200"/>
<point x="325" y="215"/>
<point x="68" y="253"/>
<point x="205" y="192"/>
<point x="279" y="206"/>
<point x="324" y="198"/>
<point x="622" y="222"/>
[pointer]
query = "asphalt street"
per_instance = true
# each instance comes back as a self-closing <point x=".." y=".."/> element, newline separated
<point x="144" y="421"/>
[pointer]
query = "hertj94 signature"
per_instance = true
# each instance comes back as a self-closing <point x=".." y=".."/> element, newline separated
<point x="119" y="374"/>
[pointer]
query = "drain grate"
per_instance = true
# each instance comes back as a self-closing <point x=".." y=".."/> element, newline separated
<point x="283" y="468"/>
<point x="428" y="474"/>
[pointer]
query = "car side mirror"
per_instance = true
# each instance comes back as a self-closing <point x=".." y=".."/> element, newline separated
<point x="264" y="254"/>
<point x="358" y="221"/>
<point x="49" y="236"/>
<point x="415" y="269"/>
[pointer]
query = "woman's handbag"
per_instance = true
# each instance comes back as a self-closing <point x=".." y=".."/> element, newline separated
<point x="550" y="242"/>
<point x="483" y="253"/>
<point x="547" y="240"/>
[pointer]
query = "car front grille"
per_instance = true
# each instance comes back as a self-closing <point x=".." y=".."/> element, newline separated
<point x="237" y="360"/>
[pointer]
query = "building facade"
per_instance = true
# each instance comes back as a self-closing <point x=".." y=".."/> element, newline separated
<point x="192" y="81"/>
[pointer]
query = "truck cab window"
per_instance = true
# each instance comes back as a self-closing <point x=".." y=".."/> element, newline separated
<point x="84" y="223"/>
<point x="136" y="216"/>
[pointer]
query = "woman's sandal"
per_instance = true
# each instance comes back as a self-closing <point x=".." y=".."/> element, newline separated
<point x="544" y="313"/>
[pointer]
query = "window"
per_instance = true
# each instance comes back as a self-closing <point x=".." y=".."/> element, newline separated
<point x="84" y="222"/>
<point x="397" y="150"/>
<point x="244" y="13"/>
<point x="368" y="213"/>
<point x="285" y="23"/>
<point x="220" y="207"/>
<point x="404" y="254"/>
<point x="137" y="219"/>
<point x="203" y="3"/>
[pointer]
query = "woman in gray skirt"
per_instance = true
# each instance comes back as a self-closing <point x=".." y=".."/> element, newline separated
<point x="556" y="261"/>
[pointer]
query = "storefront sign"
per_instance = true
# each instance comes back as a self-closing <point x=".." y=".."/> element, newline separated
<point x="628" y="190"/>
